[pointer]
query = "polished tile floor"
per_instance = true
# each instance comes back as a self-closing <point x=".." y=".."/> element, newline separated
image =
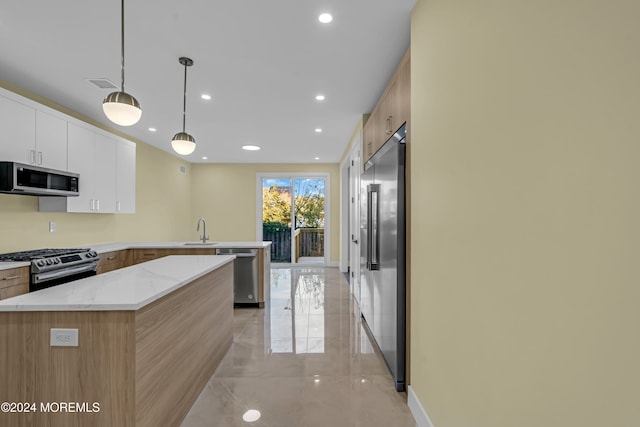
<point x="303" y="361"/>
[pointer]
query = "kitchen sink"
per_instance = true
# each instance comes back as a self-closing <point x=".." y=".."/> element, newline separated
<point x="201" y="244"/>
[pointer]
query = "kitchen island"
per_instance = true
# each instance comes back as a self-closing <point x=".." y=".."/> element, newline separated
<point x="149" y="337"/>
<point x="121" y="254"/>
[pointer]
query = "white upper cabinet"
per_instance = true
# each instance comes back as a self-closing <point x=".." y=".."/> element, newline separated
<point x="126" y="178"/>
<point x="93" y="156"/>
<point x="51" y="141"/>
<point x="32" y="136"/>
<point x="101" y="161"/>
<point x="104" y="166"/>
<point x="18" y="124"/>
<point x="36" y="134"/>
<point x="80" y="144"/>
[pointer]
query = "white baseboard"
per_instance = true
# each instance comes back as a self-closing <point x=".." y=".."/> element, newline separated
<point x="417" y="410"/>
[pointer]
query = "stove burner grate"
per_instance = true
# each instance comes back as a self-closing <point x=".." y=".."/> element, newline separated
<point x="39" y="253"/>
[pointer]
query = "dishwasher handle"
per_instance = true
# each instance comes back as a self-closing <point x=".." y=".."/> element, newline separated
<point x="239" y="253"/>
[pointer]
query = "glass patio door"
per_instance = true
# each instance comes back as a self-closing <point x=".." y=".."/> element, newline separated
<point x="308" y="209"/>
<point x="293" y="218"/>
<point x="276" y="217"/>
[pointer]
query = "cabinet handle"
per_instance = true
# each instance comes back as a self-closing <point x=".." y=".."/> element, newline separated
<point x="98" y="205"/>
<point x="11" y="278"/>
<point x="39" y="157"/>
<point x="32" y="156"/>
<point x="112" y="257"/>
<point x="118" y="206"/>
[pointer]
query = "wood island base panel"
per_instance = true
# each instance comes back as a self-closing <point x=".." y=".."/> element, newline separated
<point x="143" y="367"/>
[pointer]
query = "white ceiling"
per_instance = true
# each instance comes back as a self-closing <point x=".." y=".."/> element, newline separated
<point x="262" y="61"/>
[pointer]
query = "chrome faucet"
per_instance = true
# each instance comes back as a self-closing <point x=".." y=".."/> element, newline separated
<point x="204" y="237"/>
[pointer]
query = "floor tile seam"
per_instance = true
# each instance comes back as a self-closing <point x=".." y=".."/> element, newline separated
<point x="291" y="377"/>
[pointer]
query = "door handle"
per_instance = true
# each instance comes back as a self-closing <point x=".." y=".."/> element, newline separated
<point x="373" y="244"/>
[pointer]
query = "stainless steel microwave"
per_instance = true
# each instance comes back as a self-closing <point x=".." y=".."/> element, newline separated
<point x="20" y="178"/>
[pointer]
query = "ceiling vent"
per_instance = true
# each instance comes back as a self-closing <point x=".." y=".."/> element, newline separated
<point x="103" y="83"/>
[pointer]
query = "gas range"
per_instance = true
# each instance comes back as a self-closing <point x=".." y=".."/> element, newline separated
<point x="50" y="267"/>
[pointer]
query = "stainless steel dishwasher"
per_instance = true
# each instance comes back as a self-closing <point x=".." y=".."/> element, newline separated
<point x="245" y="271"/>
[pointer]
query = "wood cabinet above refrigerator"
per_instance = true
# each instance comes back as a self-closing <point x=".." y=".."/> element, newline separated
<point x="392" y="110"/>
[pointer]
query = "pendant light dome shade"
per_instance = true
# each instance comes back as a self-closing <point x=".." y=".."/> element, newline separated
<point x="183" y="143"/>
<point x="122" y="108"/>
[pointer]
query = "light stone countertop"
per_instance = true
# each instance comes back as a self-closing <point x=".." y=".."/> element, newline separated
<point x="129" y="288"/>
<point x="8" y="265"/>
<point x="102" y="248"/>
<point x="118" y="246"/>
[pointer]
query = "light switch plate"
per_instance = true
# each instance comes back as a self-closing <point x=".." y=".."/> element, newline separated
<point x="52" y="226"/>
<point x="64" y="337"/>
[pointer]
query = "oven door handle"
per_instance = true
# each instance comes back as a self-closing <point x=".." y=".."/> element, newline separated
<point x="45" y="277"/>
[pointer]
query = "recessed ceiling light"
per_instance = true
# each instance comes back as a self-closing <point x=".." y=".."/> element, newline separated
<point x="152" y="129"/>
<point x="318" y="130"/>
<point x="317" y="158"/>
<point x="205" y="158"/>
<point x="250" y="147"/>
<point x="319" y="97"/>
<point x="325" y="18"/>
<point x="251" y="415"/>
<point x="205" y="96"/>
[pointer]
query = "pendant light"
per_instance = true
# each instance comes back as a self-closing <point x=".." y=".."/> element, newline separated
<point x="182" y="142"/>
<point x="120" y="107"/>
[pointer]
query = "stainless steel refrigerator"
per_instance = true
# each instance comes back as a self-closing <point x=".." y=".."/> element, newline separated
<point x="383" y="252"/>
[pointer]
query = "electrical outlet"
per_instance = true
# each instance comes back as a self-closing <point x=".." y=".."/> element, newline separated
<point x="52" y="226"/>
<point x="64" y="337"/>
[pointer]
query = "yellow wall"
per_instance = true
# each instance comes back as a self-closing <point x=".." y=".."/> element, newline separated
<point x="356" y="135"/>
<point x="225" y="195"/>
<point x="526" y="127"/>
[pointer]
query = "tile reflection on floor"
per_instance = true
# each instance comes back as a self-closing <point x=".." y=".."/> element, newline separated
<point x="303" y="361"/>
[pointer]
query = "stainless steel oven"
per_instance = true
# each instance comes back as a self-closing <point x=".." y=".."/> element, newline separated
<point x="51" y="267"/>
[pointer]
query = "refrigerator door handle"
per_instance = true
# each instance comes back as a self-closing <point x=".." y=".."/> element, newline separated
<point x="373" y="245"/>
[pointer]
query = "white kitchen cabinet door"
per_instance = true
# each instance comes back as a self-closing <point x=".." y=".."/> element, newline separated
<point x="81" y="160"/>
<point x="105" y="174"/>
<point x="51" y="141"/>
<point x="18" y="124"/>
<point x="126" y="178"/>
<point x="107" y="169"/>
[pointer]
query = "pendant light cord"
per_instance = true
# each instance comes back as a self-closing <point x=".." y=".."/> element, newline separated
<point x="122" y="43"/>
<point x="184" y="106"/>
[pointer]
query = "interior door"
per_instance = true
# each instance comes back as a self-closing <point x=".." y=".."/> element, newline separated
<point x="354" y="218"/>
